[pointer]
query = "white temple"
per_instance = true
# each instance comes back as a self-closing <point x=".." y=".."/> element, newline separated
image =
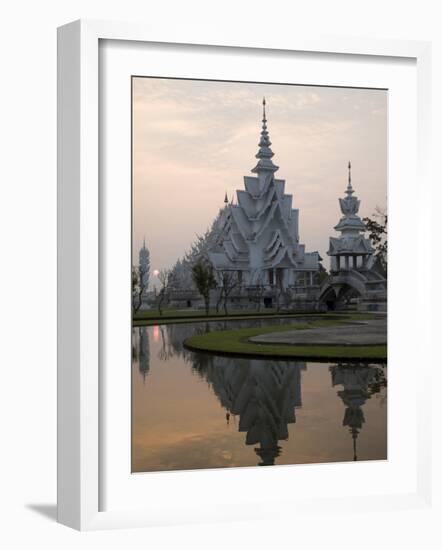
<point x="259" y="236"/>
<point x="255" y="245"/>
<point x="351" y="250"/>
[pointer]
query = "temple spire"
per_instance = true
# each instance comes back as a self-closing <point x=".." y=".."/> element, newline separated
<point x="350" y="207"/>
<point x="354" y="436"/>
<point x="264" y="154"/>
<point x="349" y="190"/>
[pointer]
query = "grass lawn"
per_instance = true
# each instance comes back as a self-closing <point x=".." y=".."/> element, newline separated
<point x="152" y="317"/>
<point x="188" y="313"/>
<point x="235" y="342"/>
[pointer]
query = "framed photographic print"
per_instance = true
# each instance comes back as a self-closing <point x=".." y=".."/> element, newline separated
<point x="225" y="285"/>
<point x="235" y="299"/>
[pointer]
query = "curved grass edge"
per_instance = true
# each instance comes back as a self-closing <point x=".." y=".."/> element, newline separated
<point x="215" y="318"/>
<point x="236" y="343"/>
<point x="337" y="316"/>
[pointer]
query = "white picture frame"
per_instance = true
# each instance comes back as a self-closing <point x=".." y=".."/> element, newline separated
<point x="80" y="366"/>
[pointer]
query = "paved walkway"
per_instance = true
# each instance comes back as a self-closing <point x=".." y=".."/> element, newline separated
<point x="359" y="333"/>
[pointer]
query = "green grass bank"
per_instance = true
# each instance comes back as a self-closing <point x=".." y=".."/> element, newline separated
<point x="236" y="342"/>
<point x="152" y="317"/>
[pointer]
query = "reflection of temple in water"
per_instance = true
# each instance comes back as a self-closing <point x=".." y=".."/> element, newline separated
<point x="171" y="340"/>
<point x="141" y="350"/>
<point x="173" y="335"/>
<point x="360" y="382"/>
<point x="263" y="394"/>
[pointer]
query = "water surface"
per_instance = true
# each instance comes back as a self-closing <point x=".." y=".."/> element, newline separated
<point x="195" y="410"/>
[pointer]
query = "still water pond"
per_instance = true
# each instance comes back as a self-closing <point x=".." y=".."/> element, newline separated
<point x="194" y="410"/>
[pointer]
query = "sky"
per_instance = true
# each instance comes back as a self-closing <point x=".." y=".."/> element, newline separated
<point x="195" y="140"/>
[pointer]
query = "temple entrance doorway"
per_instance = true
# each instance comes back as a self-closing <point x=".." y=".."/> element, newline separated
<point x="348" y="297"/>
<point x="341" y="297"/>
<point x="268" y="302"/>
<point x="329" y="299"/>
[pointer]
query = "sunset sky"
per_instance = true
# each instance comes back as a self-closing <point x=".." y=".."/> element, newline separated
<point x="195" y="140"/>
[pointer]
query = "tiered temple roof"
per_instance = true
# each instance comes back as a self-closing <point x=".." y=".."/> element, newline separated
<point x="261" y="232"/>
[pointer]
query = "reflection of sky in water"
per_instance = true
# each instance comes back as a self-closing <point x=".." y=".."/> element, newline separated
<point x="192" y="410"/>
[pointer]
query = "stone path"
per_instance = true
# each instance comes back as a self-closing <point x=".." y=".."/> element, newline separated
<point x="359" y="333"/>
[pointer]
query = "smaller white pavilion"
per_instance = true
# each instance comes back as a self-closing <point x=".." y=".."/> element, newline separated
<point x="351" y="250"/>
<point x="353" y="272"/>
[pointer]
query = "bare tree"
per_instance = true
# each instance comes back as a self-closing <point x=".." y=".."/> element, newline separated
<point x="204" y="280"/>
<point x="138" y="287"/>
<point x="256" y="292"/>
<point x="219" y="299"/>
<point x="163" y="277"/>
<point x="281" y="295"/>
<point x="229" y="281"/>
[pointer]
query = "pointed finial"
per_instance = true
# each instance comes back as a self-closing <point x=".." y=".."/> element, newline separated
<point x="226" y="200"/>
<point x="354" y="435"/>
<point x="144" y="241"/>
<point x="264" y="154"/>
<point x="349" y="191"/>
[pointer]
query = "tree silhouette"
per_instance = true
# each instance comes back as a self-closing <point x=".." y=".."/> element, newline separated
<point x="229" y="281"/>
<point x="163" y="277"/>
<point x="377" y="228"/>
<point x="204" y="280"/>
<point x="139" y="285"/>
